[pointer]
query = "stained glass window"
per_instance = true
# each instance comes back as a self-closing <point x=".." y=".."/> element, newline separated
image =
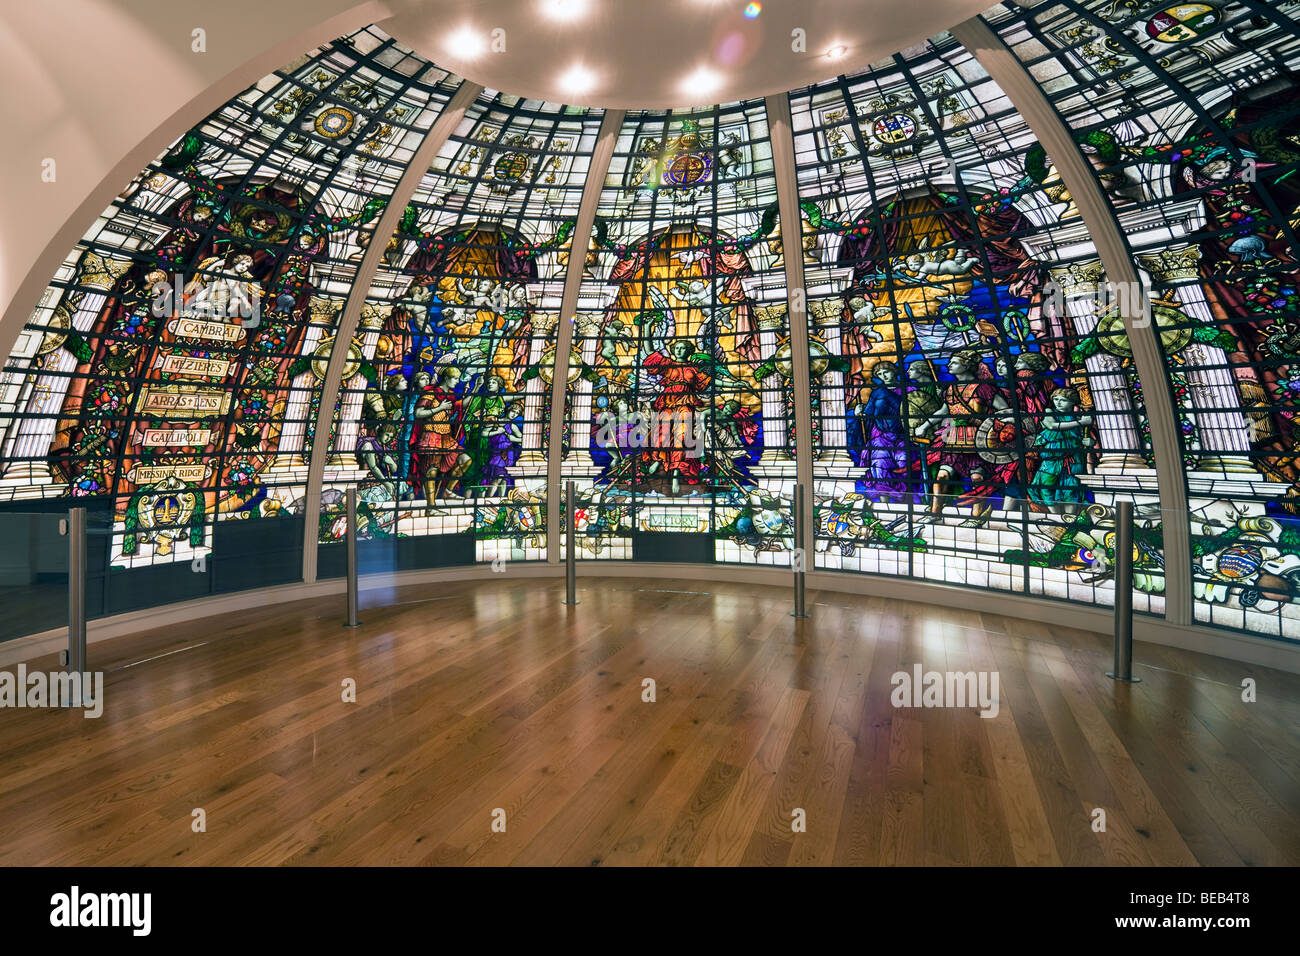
<point x="975" y="411"/>
<point x="680" y="400"/>
<point x="444" y="421"/>
<point x="974" y="426"/>
<point x="168" y="378"/>
<point x="1188" y="116"/>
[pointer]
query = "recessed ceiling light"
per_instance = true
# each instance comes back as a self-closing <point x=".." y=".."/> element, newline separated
<point x="701" y="82"/>
<point x="564" y="10"/>
<point x="577" y="79"/>
<point x="837" y="51"/>
<point x="465" y="42"/>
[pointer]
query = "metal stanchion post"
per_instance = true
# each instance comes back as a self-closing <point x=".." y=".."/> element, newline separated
<point x="799" y="557"/>
<point x="353" y="598"/>
<point x="77" y="601"/>
<point x="570" y="548"/>
<point x="1123" y="594"/>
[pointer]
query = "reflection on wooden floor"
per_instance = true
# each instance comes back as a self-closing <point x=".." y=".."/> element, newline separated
<point x="493" y="696"/>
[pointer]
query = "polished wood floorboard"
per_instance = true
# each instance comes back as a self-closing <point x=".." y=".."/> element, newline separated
<point x="490" y="698"/>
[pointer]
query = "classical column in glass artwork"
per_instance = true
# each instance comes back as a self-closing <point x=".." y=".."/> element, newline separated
<point x="537" y="396"/>
<point x="1109" y="381"/>
<point x="826" y="315"/>
<point x="1221" y="426"/>
<point x="771" y="321"/>
<point x="77" y="309"/>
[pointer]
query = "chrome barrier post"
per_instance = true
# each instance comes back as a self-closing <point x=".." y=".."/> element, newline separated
<point x="799" y="557"/>
<point x="570" y="551"/>
<point x="353" y="601"/>
<point x="77" y="602"/>
<point x="1123" y="594"/>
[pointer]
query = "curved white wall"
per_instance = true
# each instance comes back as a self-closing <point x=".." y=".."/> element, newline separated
<point x="102" y="87"/>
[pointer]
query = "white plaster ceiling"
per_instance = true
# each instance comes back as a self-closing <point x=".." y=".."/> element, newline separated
<point x="655" y="54"/>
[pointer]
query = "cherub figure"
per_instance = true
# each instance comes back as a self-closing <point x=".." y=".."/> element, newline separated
<point x="477" y="293"/>
<point x="865" y="314"/>
<point x="218" y="294"/>
<point x="935" y="265"/>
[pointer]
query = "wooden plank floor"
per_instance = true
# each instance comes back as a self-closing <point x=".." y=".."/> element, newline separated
<point x="493" y="696"/>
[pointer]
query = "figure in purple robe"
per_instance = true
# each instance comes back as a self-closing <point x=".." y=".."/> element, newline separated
<point x="884" y="451"/>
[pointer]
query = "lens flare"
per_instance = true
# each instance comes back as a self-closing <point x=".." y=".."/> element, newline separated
<point x="730" y="50"/>
<point x="753" y="10"/>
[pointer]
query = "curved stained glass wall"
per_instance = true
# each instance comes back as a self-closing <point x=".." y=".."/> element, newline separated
<point x="975" y="411"/>
<point x="970" y="430"/>
<point x="168" y="379"/>
<point x="443" y="420"/>
<point x="680" y="401"/>
<point x="1189" y="117"/>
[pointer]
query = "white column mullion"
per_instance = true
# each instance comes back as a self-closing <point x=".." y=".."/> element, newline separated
<point x="1028" y="98"/>
<point x="600" y="159"/>
<point x="438" y="134"/>
<point x="787" y="192"/>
